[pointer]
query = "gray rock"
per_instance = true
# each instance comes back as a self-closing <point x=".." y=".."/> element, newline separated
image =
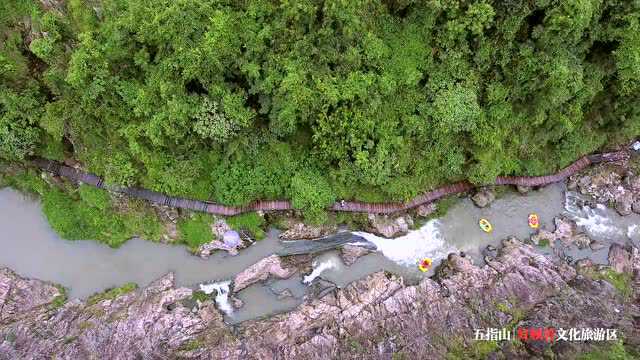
<point x="231" y="239"/>
<point x="596" y="245"/>
<point x="262" y="270"/>
<point x="624" y="203"/>
<point x="636" y="206"/>
<point x="523" y="189"/>
<point x="351" y="253"/>
<point x="582" y="241"/>
<point x="390" y="227"/>
<point x="620" y="259"/>
<point x="483" y="198"/>
<point x="426" y="210"/>
<point x="285" y="294"/>
<point x="302" y="231"/>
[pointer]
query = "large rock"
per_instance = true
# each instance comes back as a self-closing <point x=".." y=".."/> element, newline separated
<point x="390" y="227"/>
<point x="483" y="198"/>
<point x="148" y="323"/>
<point x="426" y="209"/>
<point x="620" y="259"/>
<point x="624" y="203"/>
<point x="611" y="184"/>
<point x="300" y="231"/>
<point x="262" y="270"/>
<point x="351" y="253"/>
<point x="231" y="239"/>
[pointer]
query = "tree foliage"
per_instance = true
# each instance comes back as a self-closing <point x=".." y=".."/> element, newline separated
<point x="234" y="101"/>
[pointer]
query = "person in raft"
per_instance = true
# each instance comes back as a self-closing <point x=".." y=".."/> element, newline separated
<point x="425" y="265"/>
<point x="485" y="225"/>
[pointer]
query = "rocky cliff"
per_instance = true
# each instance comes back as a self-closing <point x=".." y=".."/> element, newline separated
<point x="377" y="317"/>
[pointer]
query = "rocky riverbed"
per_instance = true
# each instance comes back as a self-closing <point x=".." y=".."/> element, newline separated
<point x="372" y="318"/>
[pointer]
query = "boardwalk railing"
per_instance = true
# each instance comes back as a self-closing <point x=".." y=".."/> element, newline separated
<point x="75" y="175"/>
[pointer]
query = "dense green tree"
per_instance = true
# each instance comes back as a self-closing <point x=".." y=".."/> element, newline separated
<point x="314" y="100"/>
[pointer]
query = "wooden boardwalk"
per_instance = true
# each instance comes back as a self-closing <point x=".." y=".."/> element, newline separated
<point x="77" y="176"/>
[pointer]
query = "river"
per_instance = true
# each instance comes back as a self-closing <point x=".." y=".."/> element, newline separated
<point x="31" y="248"/>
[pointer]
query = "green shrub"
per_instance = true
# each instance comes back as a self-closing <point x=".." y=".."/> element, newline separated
<point x="60" y="299"/>
<point x="92" y="217"/>
<point x="621" y="281"/>
<point x="195" y="230"/>
<point x="311" y="193"/>
<point x="111" y="294"/>
<point x="250" y="222"/>
<point x="615" y="351"/>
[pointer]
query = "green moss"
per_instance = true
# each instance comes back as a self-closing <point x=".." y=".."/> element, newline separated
<point x="621" y="281"/>
<point x="195" y="230"/>
<point x="544" y="243"/>
<point x="200" y="296"/>
<point x="458" y="350"/>
<point x="251" y="222"/>
<point x="59" y="300"/>
<point x="85" y="325"/>
<point x="27" y="181"/>
<point x="70" y="339"/>
<point x="111" y="293"/>
<point x="616" y="351"/>
<point x="634" y="164"/>
<point x="352" y="220"/>
<point x="191" y="345"/>
<point x="443" y="205"/>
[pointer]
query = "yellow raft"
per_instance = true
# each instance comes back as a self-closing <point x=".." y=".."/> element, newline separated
<point x="485" y="225"/>
<point x="534" y="222"/>
<point x="425" y="265"/>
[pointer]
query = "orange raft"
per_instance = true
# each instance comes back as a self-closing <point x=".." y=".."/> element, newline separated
<point x="534" y="222"/>
<point x="425" y="265"/>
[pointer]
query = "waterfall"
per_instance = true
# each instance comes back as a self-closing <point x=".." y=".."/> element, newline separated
<point x="222" y="297"/>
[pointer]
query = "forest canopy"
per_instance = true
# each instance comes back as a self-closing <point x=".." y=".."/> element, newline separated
<point x="313" y="100"/>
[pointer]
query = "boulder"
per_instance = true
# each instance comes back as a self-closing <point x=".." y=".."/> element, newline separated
<point x="260" y="271"/>
<point x="620" y="259"/>
<point x="205" y="250"/>
<point x="351" y="253"/>
<point x="582" y="241"/>
<point x="389" y="227"/>
<point x="426" y="209"/>
<point x="522" y="189"/>
<point x="300" y="231"/>
<point x="624" y="203"/>
<point x="231" y="239"/>
<point x="596" y="245"/>
<point x="635" y="207"/>
<point x="543" y="235"/>
<point x="285" y="294"/>
<point x="219" y="228"/>
<point x="483" y="198"/>
<point x="632" y="182"/>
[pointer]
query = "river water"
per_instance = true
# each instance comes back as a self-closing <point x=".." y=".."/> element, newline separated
<point x="31" y="248"/>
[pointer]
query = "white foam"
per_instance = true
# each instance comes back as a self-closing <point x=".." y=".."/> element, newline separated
<point x="411" y="248"/>
<point x="632" y="230"/>
<point x="319" y="269"/>
<point x="222" y="297"/>
<point x="594" y="221"/>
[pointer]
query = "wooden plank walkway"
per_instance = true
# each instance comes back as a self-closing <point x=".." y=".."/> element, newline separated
<point x="77" y="176"/>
